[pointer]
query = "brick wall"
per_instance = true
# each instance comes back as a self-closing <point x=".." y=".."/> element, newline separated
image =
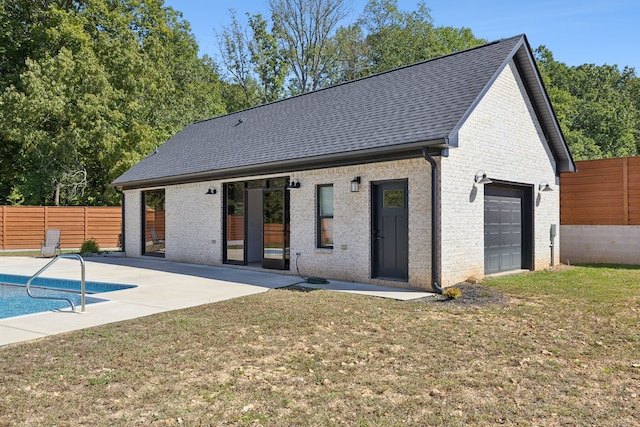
<point x="133" y="221"/>
<point x="350" y="259"/>
<point x="503" y="138"/>
<point x="194" y="227"/>
<point x="194" y="223"/>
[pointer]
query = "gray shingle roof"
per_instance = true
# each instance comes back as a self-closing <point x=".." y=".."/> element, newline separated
<point x="421" y="103"/>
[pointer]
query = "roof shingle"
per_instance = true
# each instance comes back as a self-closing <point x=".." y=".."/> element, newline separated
<point x="418" y="103"/>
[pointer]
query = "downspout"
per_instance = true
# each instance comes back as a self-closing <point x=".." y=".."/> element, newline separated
<point x="122" y="230"/>
<point x="435" y="267"/>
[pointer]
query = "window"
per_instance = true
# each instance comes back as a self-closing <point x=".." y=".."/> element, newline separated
<point x="393" y="199"/>
<point x="325" y="216"/>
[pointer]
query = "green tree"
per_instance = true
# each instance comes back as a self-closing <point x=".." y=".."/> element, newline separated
<point x="353" y="58"/>
<point x="236" y="57"/>
<point x="268" y="61"/>
<point x="396" y="38"/>
<point x="304" y="29"/>
<point x="255" y="63"/>
<point x="595" y="106"/>
<point x="307" y="48"/>
<point x="89" y="88"/>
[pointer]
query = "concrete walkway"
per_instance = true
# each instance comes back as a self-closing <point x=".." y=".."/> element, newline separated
<point x="161" y="286"/>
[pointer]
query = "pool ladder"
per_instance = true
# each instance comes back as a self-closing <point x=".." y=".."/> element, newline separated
<point x="82" y="283"/>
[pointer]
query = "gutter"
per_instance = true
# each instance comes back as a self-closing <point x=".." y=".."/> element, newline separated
<point x="122" y="229"/>
<point x="395" y="152"/>
<point x="435" y="248"/>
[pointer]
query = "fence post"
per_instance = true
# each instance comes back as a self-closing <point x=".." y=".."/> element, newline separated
<point x="625" y="190"/>
<point x="86" y="227"/>
<point x="4" y="227"/>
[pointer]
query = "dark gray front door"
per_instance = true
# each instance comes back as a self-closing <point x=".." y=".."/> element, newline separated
<point x="503" y="229"/>
<point x="390" y="234"/>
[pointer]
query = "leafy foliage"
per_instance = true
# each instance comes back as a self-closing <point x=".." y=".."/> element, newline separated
<point x="307" y="49"/>
<point x="88" y="89"/>
<point x="452" y="293"/>
<point x="89" y="247"/>
<point x="598" y="107"/>
<point x="396" y="38"/>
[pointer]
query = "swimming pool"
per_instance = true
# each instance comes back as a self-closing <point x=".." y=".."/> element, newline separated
<point x="14" y="300"/>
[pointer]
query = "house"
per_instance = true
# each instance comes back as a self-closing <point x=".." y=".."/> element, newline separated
<point x="418" y="177"/>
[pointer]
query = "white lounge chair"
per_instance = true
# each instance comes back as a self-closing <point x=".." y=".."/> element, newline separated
<point x="51" y="243"/>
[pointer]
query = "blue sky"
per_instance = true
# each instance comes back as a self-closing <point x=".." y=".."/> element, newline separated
<point x="576" y="31"/>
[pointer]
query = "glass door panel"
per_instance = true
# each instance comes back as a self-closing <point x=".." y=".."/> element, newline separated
<point x="235" y="223"/>
<point x="275" y="252"/>
<point x="154" y="223"/>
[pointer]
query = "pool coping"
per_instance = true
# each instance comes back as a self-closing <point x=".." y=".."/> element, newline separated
<point x="161" y="286"/>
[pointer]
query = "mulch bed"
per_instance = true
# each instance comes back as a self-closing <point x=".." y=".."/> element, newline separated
<point x="472" y="295"/>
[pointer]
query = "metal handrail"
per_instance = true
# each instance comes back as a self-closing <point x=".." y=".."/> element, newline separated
<point x="82" y="283"/>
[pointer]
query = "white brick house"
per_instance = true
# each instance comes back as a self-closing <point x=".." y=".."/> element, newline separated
<point x="374" y="180"/>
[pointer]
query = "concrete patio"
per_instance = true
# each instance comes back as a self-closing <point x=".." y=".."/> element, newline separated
<point x="161" y="286"/>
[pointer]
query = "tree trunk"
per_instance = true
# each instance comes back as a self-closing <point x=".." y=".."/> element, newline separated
<point x="56" y="196"/>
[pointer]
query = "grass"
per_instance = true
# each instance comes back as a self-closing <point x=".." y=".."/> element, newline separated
<point x="36" y="252"/>
<point x="564" y="351"/>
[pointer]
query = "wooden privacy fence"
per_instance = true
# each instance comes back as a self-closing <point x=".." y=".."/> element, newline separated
<point x="602" y="192"/>
<point x="23" y="227"/>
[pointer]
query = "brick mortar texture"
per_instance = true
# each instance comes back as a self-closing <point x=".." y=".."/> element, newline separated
<point x="350" y="258"/>
<point x="194" y="222"/>
<point x="133" y="223"/>
<point x="503" y="138"/>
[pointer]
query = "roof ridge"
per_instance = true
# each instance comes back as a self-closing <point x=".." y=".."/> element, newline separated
<point x="415" y="64"/>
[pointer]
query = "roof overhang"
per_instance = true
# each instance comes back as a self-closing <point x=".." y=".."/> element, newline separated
<point x="525" y="63"/>
<point x="383" y="154"/>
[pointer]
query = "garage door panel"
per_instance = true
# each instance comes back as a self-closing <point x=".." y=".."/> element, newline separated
<point x="503" y="229"/>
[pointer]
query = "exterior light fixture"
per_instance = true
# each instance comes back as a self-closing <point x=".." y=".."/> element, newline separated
<point x="481" y="178"/>
<point x="355" y="184"/>
<point x="544" y="186"/>
<point x="211" y="191"/>
<point x="293" y="185"/>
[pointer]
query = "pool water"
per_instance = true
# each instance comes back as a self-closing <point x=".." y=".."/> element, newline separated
<point x="66" y="284"/>
<point x="14" y="300"/>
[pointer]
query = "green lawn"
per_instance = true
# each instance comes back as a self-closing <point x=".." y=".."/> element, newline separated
<point x="564" y="350"/>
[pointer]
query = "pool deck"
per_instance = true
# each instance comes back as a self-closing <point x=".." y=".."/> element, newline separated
<point x="161" y="286"/>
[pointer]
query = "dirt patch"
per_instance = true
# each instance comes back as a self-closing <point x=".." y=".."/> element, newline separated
<point x="562" y="351"/>
<point x="298" y="288"/>
<point x="475" y="295"/>
<point x="472" y="295"/>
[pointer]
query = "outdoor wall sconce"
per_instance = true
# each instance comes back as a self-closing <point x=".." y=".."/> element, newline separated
<point x="211" y="191"/>
<point x="294" y="184"/>
<point x="544" y="186"/>
<point x="355" y="184"/>
<point x="481" y="178"/>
